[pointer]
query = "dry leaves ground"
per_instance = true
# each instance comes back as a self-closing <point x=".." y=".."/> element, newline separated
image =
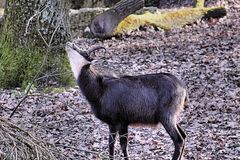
<point x="206" y="56"/>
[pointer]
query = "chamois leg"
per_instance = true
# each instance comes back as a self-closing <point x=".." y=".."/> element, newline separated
<point x="123" y="135"/>
<point x="183" y="134"/>
<point x="176" y="137"/>
<point x="112" y="138"/>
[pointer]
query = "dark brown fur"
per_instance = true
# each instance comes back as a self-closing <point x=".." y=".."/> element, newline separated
<point x="132" y="100"/>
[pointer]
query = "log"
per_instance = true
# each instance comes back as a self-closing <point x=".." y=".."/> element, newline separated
<point x="215" y="13"/>
<point x="168" y="20"/>
<point x="104" y="24"/>
<point x="119" y="20"/>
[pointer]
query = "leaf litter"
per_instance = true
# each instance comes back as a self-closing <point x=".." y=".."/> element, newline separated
<point x="205" y="55"/>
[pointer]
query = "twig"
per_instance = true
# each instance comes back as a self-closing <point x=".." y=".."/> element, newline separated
<point x="40" y="34"/>
<point x="31" y="95"/>
<point x="30" y="86"/>
<point x="82" y="150"/>
<point x="54" y="32"/>
<point x="37" y="12"/>
<point x="39" y="95"/>
<point x="19" y="103"/>
<point x="17" y="138"/>
<point x="30" y="19"/>
<point x="53" y="75"/>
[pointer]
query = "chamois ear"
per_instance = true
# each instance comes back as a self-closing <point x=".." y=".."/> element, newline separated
<point x="86" y="56"/>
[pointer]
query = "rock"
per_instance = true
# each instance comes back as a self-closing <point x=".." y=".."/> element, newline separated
<point x="77" y="4"/>
<point x="80" y="19"/>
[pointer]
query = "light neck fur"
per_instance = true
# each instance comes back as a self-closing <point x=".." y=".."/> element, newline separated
<point x="76" y="61"/>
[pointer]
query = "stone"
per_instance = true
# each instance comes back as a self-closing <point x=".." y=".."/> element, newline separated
<point x="77" y="4"/>
<point x="80" y="19"/>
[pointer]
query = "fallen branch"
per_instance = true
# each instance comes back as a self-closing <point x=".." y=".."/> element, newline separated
<point x="17" y="143"/>
<point x="29" y="87"/>
<point x="109" y="23"/>
<point x="168" y="20"/>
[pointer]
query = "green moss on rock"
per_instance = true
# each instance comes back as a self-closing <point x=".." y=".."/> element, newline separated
<point x="1" y="11"/>
<point x="52" y="89"/>
<point x="168" y="20"/>
<point x="200" y="3"/>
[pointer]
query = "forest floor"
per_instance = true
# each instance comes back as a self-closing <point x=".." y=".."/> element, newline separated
<point x="205" y="55"/>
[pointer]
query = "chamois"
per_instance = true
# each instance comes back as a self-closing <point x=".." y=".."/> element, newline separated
<point x="122" y="101"/>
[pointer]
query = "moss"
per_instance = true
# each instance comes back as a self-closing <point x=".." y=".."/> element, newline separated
<point x="177" y="18"/>
<point x="199" y="3"/>
<point x="1" y="11"/>
<point x="129" y="24"/>
<point x="168" y="20"/>
<point x="20" y="64"/>
<point x="52" y="89"/>
<point x="58" y="66"/>
<point x="22" y="54"/>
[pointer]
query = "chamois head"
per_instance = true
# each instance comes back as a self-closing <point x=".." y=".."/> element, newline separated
<point x="77" y="58"/>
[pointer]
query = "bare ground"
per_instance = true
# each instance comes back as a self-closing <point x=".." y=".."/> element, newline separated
<point x="206" y="56"/>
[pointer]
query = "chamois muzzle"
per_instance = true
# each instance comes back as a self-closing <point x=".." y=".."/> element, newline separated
<point x="85" y="54"/>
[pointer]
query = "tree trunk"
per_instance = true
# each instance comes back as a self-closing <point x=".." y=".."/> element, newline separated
<point x="2" y="3"/>
<point x="104" y="24"/>
<point x="77" y="4"/>
<point x="30" y="29"/>
<point x="152" y="3"/>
